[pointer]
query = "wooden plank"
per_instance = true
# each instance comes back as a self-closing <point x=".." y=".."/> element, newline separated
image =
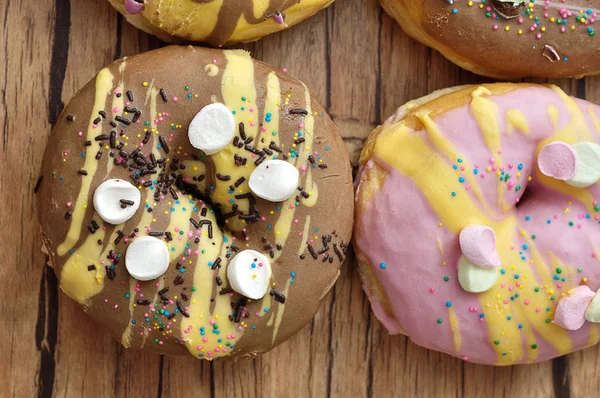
<point x="28" y="332"/>
<point x="83" y="43"/>
<point x="361" y="67"/>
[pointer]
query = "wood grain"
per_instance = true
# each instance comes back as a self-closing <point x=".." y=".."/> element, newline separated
<point x="361" y="67"/>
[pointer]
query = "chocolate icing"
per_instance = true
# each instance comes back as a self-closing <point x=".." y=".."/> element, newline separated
<point x="321" y="214"/>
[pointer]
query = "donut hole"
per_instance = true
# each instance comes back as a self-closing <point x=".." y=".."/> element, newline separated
<point x="188" y="188"/>
<point x="528" y="193"/>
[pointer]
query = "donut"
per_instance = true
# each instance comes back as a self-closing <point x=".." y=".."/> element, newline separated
<point x="216" y="22"/>
<point x="205" y="212"/>
<point x="477" y="222"/>
<point x="506" y="39"/>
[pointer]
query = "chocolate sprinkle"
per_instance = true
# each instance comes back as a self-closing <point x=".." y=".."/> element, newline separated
<point x="91" y="267"/>
<point x="97" y="120"/>
<point x="337" y="252"/>
<point x="216" y="264"/>
<point x="278" y="296"/>
<point x="38" y="184"/>
<point x="163" y="95"/>
<point x="163" y="144"/>
<point x="312" y="251"/>
<point x="182" y="310"/>
<point x="144" y="302"/>
<point x="130" y="96"/>
<point x="123" y="120"/>
<point x="298" y="112"/>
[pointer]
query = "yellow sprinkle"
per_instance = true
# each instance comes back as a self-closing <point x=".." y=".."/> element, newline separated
<point x="145" y="84"/>
<point x="520" y="32"/>
<point x="585" y="280"/>
<point x="507" y="28"/>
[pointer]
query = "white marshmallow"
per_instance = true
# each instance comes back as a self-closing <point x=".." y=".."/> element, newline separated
<point x="249" y="273"/>
<point x="147" y="258"/>
<point x="274" y="180"/>
<point x="592" y="313"/>
<point x="474" y="279"/>
<point x="588" y="172"/>
<point x="212" y="128"/>
<point x="107" y="201"/>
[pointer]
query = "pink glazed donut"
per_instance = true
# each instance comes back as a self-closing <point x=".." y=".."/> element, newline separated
<point x="477" y="222"/>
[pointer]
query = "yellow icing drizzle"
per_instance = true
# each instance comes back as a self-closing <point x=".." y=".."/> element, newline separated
<point x="454" y="328"/>
<point x="104" y="83"/>
<point x="515" y="119"/>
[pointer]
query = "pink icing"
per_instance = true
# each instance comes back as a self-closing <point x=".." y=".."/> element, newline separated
<point x="558" y="160"/>
<point x="399" y="228"/>
<point x="570" y="311"/>
<point x="478" y="244"/>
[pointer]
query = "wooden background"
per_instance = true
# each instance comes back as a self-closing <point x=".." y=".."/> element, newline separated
<point x="360" y="66"/>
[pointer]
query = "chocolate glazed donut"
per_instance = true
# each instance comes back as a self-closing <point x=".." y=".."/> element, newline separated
<point x="130" y="124"/>
<point x="507" y="39"/>
<point x="216" y="22"/>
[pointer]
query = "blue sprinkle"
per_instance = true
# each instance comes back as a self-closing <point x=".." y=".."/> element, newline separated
<point x="383" y="265"/>
<point x="520" y="166"/>
<point x="448" y="304"/>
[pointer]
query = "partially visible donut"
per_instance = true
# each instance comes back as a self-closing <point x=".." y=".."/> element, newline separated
<point x="199" y="262"/>
<point x="507" y="39"/>
<point x="477" y="222"/>
<point x="216" y="22"/>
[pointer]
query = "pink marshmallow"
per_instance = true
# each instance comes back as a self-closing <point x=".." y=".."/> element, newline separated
<point x="558" y="160"/>
<point x="570" y="311"/>
<point x="133" y="7"/>
<point x="478" y="244"/>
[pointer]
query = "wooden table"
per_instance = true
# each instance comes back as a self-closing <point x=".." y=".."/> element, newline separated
<point x="360" y="66"/>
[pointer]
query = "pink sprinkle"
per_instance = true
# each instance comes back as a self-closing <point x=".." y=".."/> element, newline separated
<point x="116" y="306"/>
<point x="538" y="36"/>
<point x="495" y="27"/>
<point x="465" y="358"/>
<point x="594" y="255"/>
<point x="106" y="300"/>
<point x="116" y="109"/>
<point x="69" y="204"/>
<point x="80" y="133"/>
<point x="205" y="339"/>
<point x="212" y="321"/>
<point x="537" y="310"/>
<point x="284" y="70"/>
<point x="65" y="153"/>
<point x="214" y="61"/>
<point x="526" y="302"/>
<point x="432" y="290"/>
<point x="175" y="99"/>
<point x="559" y="285"/>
